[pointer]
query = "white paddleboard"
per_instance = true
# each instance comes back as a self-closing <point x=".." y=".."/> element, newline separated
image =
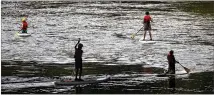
<point x="166" y="75"/>
<point x="24" y="34"/>
<point x="86" y="81"/>
<point x="147" y="42"/>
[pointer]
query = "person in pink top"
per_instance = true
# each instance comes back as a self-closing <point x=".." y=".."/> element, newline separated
<point x="147" y="26"/>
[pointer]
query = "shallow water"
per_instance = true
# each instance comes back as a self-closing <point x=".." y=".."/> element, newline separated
<point x="30" y="64"/>
<point x="34" y="78"/>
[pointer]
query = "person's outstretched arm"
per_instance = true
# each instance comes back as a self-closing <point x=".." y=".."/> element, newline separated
<point x="77" y="44"/>
<point x="151" y="20"/>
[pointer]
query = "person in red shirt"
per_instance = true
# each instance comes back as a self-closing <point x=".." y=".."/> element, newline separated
<point x="24" y="25"/>
<point x="171" y="62"/>
<point x="147" y="26"/>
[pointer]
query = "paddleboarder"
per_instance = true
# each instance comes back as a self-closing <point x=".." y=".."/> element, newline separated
<point x="171" y="62"/>
<point x="24" y="25"/>
<point x="78" y="60"/>
<point x="147" y="26"/>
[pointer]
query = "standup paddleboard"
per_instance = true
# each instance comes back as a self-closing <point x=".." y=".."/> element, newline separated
<point x="24" y="34"/>
<point x="147" y="41"/>
<point x="86" y="81"/>
<point x="166" y="75"/>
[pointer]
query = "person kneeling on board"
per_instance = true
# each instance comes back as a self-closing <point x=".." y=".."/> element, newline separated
<point x="171" y="62"/>
<point x="24" y="25"/>
<point x="78" y="60"/>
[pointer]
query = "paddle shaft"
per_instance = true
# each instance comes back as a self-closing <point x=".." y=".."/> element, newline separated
<point x="181" y="65"/>
<point x="138" y="30"/>
<point x="19" y="31"/>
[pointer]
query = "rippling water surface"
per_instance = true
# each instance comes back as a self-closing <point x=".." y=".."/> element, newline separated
<point x="32" y="64"/>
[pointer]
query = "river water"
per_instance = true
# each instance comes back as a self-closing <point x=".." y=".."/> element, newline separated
<point x="105" y="29"/>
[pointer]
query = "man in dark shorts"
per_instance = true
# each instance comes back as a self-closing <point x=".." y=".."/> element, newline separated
<point x="78" y="60"/>
<point x="147" y="25"/>
<point x="171" y="62"/>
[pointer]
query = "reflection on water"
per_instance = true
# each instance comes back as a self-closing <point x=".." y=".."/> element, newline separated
<point x="172" y="84"/>
<point x="78" y="89"/>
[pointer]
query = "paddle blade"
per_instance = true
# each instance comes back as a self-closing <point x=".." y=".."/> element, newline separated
<point x="16" y="34"/>
<point x="133" y="35"/>
<point x="186" y="69"/>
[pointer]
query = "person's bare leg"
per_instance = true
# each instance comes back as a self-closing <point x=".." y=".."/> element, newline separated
<point x="150" y="34"/>
<point x="144" y="36"/>
<point x="80" y="73"/>
<point x="76" y="74"/>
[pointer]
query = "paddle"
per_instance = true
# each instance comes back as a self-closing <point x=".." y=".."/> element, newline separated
<point x="16" y="34"/>
<point x="186" y="69"/>
<point x="133" y="35"/>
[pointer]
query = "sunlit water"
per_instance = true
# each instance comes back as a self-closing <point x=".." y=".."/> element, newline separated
<point x="105" y="29"/>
